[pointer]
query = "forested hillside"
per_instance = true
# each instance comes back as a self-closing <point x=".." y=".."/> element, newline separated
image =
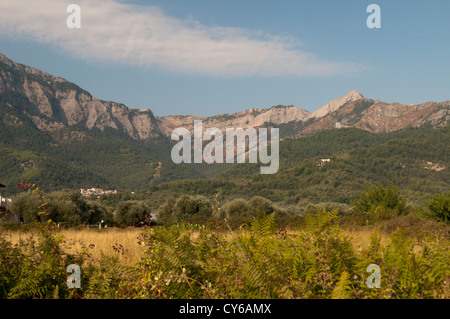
<point x="358" y="160"/>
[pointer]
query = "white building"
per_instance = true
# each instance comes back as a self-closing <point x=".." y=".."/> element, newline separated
<point x="5" y="213"/>
<point x="322" y="161"/>
<point x="5" y="203"/>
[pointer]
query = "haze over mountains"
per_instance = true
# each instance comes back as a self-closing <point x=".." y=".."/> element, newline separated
<point x="57" y="135"/>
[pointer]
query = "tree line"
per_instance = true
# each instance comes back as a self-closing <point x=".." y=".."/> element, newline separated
<point x="69" y="208"/>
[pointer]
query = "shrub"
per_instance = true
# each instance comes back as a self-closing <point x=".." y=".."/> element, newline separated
<point x="132" y="213"/>
<point x="439" y="206"/>
<point x="29" y="206"/>
<point x="234" y="208"/>
<point x="262" y="205"/>
<point x="192" y="208"/>
<point x="255" y="262"/>
<point x="36" y="268"/>
<point x="380" y="202"/>
<point x="165" y="212"/>
<point x="69" y="208"/>
<point x="319" y="263"/>
<point x="414" y="226"/>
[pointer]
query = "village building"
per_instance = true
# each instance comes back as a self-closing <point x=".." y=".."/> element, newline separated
<point x="322" y="161"/>
<point x="5" y="209"/>
<point x="96" y="192"/>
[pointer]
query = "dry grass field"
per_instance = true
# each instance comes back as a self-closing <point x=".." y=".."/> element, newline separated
<point x="314" y="261"/>
<point x="126" y="243"/>
<point x="123" y="243"/>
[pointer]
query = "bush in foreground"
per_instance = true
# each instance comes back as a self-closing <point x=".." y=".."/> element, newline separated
<point x="439" y="206"/>
<point x="379" y="203"/>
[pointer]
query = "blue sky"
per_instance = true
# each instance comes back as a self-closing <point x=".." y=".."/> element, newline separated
<point x="207" y="57"/>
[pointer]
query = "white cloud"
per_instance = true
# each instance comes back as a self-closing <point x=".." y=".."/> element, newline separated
<point x="145" y="36"/>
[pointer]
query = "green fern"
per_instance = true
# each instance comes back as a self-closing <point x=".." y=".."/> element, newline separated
<point x="343" y="289"/>
<point x="264" y="226"/>
<point x="324" y="221"/>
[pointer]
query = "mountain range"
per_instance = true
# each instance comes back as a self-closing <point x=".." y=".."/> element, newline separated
<point x="53" y="104"/>
<point x="52" y="127"/>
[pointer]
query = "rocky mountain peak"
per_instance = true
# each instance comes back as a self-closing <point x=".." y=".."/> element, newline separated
<point x="53" y="103"/>
<point x="337" y="103"/>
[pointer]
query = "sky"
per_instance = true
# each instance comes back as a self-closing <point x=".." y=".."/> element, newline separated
<point x="209" y="57"/>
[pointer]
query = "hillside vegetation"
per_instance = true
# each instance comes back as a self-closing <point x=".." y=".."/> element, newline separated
<point x="358" y="160"/>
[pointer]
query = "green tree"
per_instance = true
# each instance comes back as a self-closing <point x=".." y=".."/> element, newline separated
<point x="189" y="208"/>
<point x="96" y="213"/>
<point x="439" y="206"/>
<point x="236" y="207"/>
<point x="259" y="204"/>
<point x="378" y="200"/>
<point x="61" y="207"/>
<point x="133" y="213"/>
<point x="165" y="212"/>
<point x="29" y="206"/>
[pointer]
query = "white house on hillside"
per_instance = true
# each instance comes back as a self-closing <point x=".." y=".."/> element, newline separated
<point x="322" y="161"/>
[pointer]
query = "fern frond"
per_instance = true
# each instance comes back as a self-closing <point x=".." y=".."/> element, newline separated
<point x="322" y="221"/>
<point x="264" y="226"/>
<point x="343" y="289"/>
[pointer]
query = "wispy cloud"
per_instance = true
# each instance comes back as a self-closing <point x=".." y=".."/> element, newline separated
<point x="145" y="36"/>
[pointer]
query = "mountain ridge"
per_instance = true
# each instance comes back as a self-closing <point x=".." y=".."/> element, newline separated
<point x="54" y="104"/>
<point x="56" y="135"/>
<point x="336" y="104"/>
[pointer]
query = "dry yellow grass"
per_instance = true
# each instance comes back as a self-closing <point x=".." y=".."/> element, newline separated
<point x="361" y="238"/>
<point x="124" y="243"/>
<point x="112" y="241"/>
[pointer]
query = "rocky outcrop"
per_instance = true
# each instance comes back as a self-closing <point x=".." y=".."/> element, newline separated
<point x="377" y="116"/>
<point x="334" y="105"/>
<point x="384" y="117"/>
<point x="249" y="118"/>
<point x="53" y="103"/>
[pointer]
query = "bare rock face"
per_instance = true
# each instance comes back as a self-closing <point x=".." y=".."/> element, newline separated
<point x="257" y="118"/>
<point x="337" y="103"/>
<point x="384" y="117"/>
<point x="168" y="123"/>
<point x="53" y="103"/>
<point x="35" y="94"/>
<point x="377" y="116"/>
<point x="145" y="124"/>
<point x="46" y="125"/>
<point x="249" y="118"/>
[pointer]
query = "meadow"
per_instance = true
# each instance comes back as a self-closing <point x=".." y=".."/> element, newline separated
<point x="127" y="243"/>
<point x="325" y="256"/>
